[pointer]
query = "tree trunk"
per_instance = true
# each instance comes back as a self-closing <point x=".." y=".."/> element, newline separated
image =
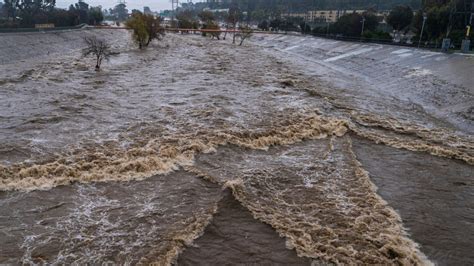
<point x="233" y="38"/>
<point x="97" y="63"/>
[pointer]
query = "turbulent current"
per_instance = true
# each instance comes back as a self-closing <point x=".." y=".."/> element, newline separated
<point x="196" y="151"/>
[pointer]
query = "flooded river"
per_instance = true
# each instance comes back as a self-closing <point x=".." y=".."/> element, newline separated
<point x="196" y="151"/>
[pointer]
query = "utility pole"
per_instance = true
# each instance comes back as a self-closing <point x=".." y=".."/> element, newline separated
<point x="466" y="43"/>
<point x="174" y="6"/>
<point x="422" y="28"/>
<point x="469" y="27"/>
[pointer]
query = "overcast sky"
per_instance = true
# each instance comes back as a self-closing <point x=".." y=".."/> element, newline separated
<point x="155" y="5"/>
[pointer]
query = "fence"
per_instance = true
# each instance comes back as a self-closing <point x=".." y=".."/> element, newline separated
<point x="422" y="44"/>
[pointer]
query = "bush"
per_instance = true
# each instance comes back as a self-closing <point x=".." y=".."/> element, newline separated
<point x="305" y="28"/>
<point x="211" y="25"/>
<point x="264" y="25"/>
<point x="245" y="33"/>
<point x="380" y="36"/>
<point x="145" y="28"/>
<point x="186" y="20"/>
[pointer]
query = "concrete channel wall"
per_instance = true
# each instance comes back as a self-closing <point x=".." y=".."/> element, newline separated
<point x="15" y="47"/>
<point x="441" y="84"/>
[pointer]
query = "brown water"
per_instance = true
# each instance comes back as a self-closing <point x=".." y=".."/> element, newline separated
<point x="235" y="236"/>
<point x="129" y="165"/>
<point x="433" y="195"/>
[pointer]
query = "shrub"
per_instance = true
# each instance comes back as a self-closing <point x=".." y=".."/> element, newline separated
<point x="145" y="28"/>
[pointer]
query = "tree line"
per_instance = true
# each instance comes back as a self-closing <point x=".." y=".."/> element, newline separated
<point x="27" y="13"/>
<point x="233" y="20"/>
<point x="273" y="8"/>
<point x="443" y="18"/>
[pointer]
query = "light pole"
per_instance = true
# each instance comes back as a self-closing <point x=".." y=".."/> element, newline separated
<point x="327" y="29"/>
<point x="422" y="28"/>
<point x="363" y="26"/>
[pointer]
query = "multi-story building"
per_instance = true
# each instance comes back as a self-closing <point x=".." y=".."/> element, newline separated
<point x="330" y="16"/>
<point x="304" y="16"/>
<point x="217" y="1"/>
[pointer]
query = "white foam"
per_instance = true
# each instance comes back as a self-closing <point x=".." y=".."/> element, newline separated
<point x="401" y="51"/>
<point x="356" y="52"/>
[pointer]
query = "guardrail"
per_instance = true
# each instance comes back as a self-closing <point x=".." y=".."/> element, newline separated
<point x="30" y="30"/>
<point x="184" y="30"/>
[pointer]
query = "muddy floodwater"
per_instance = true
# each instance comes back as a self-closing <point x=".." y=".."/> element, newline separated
<point x="287" y="150"/>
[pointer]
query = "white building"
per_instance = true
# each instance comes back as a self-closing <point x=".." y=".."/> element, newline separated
<point x="330" y="16"/>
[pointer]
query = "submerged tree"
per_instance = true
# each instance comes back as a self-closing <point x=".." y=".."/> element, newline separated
<point x="98" y="48"/>
<point x="137" y="24"/>
<point x="215" y="30"/>
<point x="145" y="28"/>
<point x="153" y="28"/>
<point x="209" y="23"/>
<point x="245" y="33"/>
<point x="233" y="19"/>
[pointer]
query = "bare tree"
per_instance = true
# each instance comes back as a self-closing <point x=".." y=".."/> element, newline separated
<point x="245" y="33"/>
<point x="153" y="28"/>
<point x="97" y="47"/>
<point x="233" y="19"/>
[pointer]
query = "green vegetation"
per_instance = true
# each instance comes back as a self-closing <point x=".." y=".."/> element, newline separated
<point x="400" y="17"/>
<point x="146" y="28"/>
<point x="119" y="13"/>
<point x="27" y="13"/>
<point x="186" y="20"/>
<point x="376" y="36"/>
<point x="209" y="23"/>
<point x="354" y="25"/>
<point x="259" y="10"/>
<point x="444" y="19"/>
<point x="245" y="33"/>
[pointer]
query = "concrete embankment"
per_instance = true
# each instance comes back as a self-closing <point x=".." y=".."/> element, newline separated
<point x="440" y="85"/>
<point x="15" y="47"/>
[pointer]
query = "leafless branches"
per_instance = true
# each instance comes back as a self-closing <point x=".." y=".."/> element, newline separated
<point x="98" y="48"/>
<point x="245" y="33"/>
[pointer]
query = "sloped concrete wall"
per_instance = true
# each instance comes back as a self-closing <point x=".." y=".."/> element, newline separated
<point x="441" y="84"/>
<point x="15" y="47"/>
